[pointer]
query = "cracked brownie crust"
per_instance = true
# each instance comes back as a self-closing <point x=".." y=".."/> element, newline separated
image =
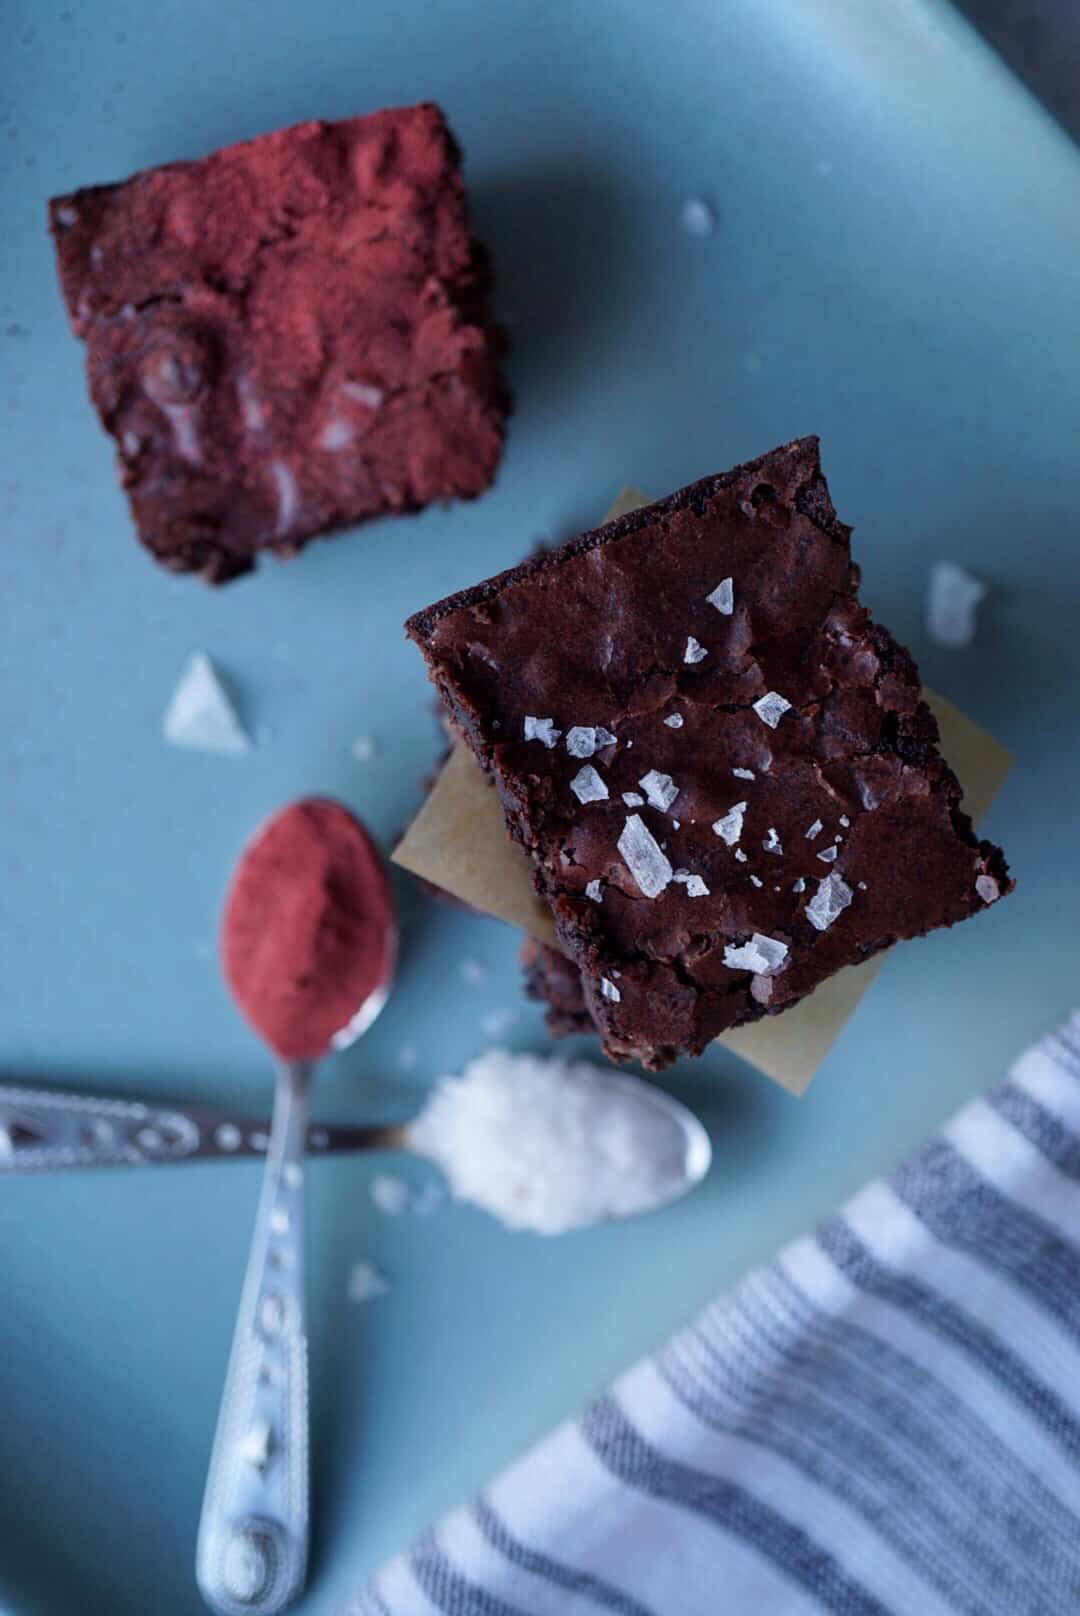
<point x="288" y="336"/>
<point x="722" y="767"/>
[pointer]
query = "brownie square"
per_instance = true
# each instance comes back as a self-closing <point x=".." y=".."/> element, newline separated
<point x="722" y="767"/>
<point x="288" y="336"/>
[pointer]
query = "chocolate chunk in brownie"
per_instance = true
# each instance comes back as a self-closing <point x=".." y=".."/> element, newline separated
<point x="721" y="765"/>
<point x="288" y="336"/>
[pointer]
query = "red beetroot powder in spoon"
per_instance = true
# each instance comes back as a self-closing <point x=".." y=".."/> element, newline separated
<point x="309" y="932"/>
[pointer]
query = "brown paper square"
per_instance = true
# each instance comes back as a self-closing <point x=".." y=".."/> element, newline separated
<point x="458" y="841"/>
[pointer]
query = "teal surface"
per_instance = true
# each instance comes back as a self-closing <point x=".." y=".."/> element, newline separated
<point x="897" y="267"/>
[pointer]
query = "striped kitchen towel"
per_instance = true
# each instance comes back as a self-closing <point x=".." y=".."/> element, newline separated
<point x="886" y="1419"/>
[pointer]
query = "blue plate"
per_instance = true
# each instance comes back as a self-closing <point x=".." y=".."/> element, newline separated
<point x="894" y="267"/>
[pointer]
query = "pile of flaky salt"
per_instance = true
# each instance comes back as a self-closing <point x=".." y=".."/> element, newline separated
<point x="551" y="1145"/>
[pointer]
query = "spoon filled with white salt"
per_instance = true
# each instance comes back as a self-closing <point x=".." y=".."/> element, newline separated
<point x="539" y="1142"/>
<point x="551" y="1145"/>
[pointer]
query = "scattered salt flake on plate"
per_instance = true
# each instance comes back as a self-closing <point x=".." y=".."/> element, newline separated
<point x="744" y="774"/>
<point x="660" y="789"/>
<point x="828" y="855"/>
<point x="674" y="721"/>
<point x="542" y="729"/>
<point x="473" y="971"/>
<point x="497" y="1023"/>
<point x="633" y="799"/>
<point x="200" y="716"/>
<point x="953" y="594"/>
<point x="390" y="1194"/>
<point x="729" y="826"/>
<point x="429" y="1199"/>
<point x="585" y="739"/>
<point x="771" y="708"/>
<point x="695" y="886"/>
<point x="366" y="1282"/>
<point x="587" y="785"/>
<point x="772" y="843"/>
<point x="363" y="748"/>
<point x="831" y="899"/>
<point x="697" y="217"/>
<point x="644" y="857"/>
<point x="595" y="891"/>
<point x="815" y="830"/>
<point x="723" y="597"/>
<point x="609" y="990"/>
<point x="695" y="652"/>
<point x="762" y="955"/>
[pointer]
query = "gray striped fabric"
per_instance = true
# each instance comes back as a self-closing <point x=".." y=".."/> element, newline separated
<point x="885" y="1420"/>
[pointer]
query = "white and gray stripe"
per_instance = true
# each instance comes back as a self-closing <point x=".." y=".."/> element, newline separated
<point x="883" y="1422"/>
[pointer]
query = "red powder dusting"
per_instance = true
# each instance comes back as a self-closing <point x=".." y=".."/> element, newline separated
<point x="309" y="930"/>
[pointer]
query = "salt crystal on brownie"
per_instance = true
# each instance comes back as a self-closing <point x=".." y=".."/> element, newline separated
<point x="660" y="789"/>
<point x="771" y="708"/>
<point x="542" y="729"/>
<point x="695" y="652"/>
<point x="729" y="826"/>
<point x="644" y="857"/>
<point x="587" y="785"/>
<point x="723" y="597"/>
<point x="830" y="900"/>
<point x="762" y="955"/>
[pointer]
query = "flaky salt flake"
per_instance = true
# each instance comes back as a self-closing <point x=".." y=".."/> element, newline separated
<point x="729" y="826"/>
<point x="772" y="844"/>
<point x="366" y="1282"/>
<point x="585" y="739"/>
<point x="676" y="824"/>
<point x="828" y="855"/>
<point x="695" y="886"/>
<point x="740" y="855"/>
<point x="771" y="708"/>
<point x="695" y="652"/>
<point x="674" y="721"/>
<point x="595" y="891"/>
<point x="610" y="991"/>
<point x="861" y="886"/>
<point x="497" y="1023"/>
<point x="645" y="859"/>
<point x="744" y="774"/>
<point x="542" y="729"/>
<point x="952" y="597"/>
<point x="633" y="799"/>
<point x="587" y="785"/>
<point x="660" y="789"/>
<point x="723" y="597"/>
<point x="755" y="880"/>
<point x="697" y="217"/>
<point x="831" y="899"/>
<point x="987" y="888"/>
<point x="815" y="830"/>
<point x="845" y="821"/>
<point x="390" y="1194"/>
<point x="762" y="955"/>
<point x="200" y="716"/>
<point x="799" y="885"/>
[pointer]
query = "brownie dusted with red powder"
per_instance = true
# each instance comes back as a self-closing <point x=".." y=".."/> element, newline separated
<point x="289" y="336"/>
<point x="722" y="767"/>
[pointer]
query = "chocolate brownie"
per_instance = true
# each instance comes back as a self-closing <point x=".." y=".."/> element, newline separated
<point x="722" y="767"/>
<point x="288" y="336"/>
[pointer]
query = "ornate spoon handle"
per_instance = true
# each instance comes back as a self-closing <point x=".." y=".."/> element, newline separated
<point x="253" y="1536"/>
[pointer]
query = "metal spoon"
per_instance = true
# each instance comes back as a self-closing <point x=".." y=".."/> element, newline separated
<point x="252" y="1552"/>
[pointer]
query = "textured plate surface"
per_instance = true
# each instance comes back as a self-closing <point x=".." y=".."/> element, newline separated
<point x="896" y="266"/>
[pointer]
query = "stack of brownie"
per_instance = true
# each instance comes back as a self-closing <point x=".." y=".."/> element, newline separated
<point x="722" y="768"/>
